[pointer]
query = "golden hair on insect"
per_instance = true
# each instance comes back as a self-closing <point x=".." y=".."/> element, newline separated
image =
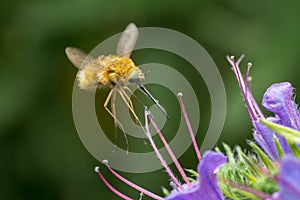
<point x="113" y="71"/>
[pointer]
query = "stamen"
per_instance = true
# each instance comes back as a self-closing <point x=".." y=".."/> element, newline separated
<point x="138" y="188"/>
<point x="173" y="157"/>
<point x="240" y="59"/>
<point x="249" y="93"/>
<point x="251" y="109"/>
<point x="259" y="112"/>
<point x="159" y="156"/>
<point x="189" y="126"/>
<point x="247" y="79"/>
<point x="141" y="196"/>
<point x="123" y="196"/>
<point x="173" y="185"/>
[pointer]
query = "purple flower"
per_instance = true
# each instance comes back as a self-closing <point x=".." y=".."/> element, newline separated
<point x="206" y="187"/>
<point x="277" y="99"/>
<point x="288" y="179"/>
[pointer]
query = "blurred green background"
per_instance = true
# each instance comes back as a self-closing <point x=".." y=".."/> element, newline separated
<point x="41" y="155"/>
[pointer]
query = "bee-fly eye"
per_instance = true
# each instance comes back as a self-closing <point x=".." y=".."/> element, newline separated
<point x="134" y="77"/>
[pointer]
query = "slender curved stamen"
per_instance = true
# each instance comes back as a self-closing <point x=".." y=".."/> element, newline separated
<point x="141" y="196"/>
<point x="259" y="112"/>
<point x="173" y="157"/>
<point x="138" y="188"/>
<point x="123" y="196"/>
<point x="251" y="109"/>
<point x="189" y="126"/>
<point x="240" y="59"/>
<point x="159" y="156"/>
<point x="248" y="89"/>
<point x="249" y="93"/>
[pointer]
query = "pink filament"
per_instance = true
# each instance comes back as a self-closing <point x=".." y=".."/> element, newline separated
<point x="140" y="189"/>
<point x="251" y="109"/>
<point x="173" y="157"/>
<point x="189" y="127"/>
<point x="159" y="156"/>
<point x="123" y="196"/>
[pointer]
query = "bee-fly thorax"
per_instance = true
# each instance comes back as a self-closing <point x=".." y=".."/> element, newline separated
<point x="119" y="70"/>
<point x="109" y="70"/>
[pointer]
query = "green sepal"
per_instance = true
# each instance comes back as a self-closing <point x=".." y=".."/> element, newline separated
<point x="165" y="191"/>
<point x="264" y="158"/>
<point x="217" y="149"/>
<point x="229" y="154"/>
<point x="252" y="164"/>
<point x="191" y="179"/>
<point x="192" y="172"/>
<point x="286" y="132"/>
<point x="278" y="146"/>
<point x="239" y="153"/>
<point x="294" y="148"/>
<point x="251" y="178"/>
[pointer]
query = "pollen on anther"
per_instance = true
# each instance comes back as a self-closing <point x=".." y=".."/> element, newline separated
<point x="232" y="57"/>
<point x="97" y="169"/>
<point x="147" y="112"/>
<point x="249" y="64"/>
<point x="180" y="94"/>
<point x="172" y="184"/>
<point x="141" y="196"/>
<point x="105" y="162"/>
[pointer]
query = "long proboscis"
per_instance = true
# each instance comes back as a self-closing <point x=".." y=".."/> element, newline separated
<point x="148" y="94"/>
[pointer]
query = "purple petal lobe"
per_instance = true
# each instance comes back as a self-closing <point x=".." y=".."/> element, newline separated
<point x="278" y="99"/>
<point x="289" y="179"/>
<point x="206" y="188"/>
<point x="262" y="143"/>
<point x="265" y="139"/>
<point x="269" y="143"/>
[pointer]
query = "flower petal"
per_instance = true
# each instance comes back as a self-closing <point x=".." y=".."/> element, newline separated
<point x="259" y="139"/>
<point x="206" y="188"/>
<point x="289" y="179"/>
<point x="278" y="99"/>
<point x="266" y="139"/>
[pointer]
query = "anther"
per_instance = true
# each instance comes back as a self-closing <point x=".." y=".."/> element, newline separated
<point x="105" y="162"/>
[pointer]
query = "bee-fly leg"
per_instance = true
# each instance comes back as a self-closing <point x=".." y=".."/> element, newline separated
<point x="131" y="105"/>
<point x="112" y="96"/>
<point x="113" y="107"/>
<point x="126" y="99"/>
